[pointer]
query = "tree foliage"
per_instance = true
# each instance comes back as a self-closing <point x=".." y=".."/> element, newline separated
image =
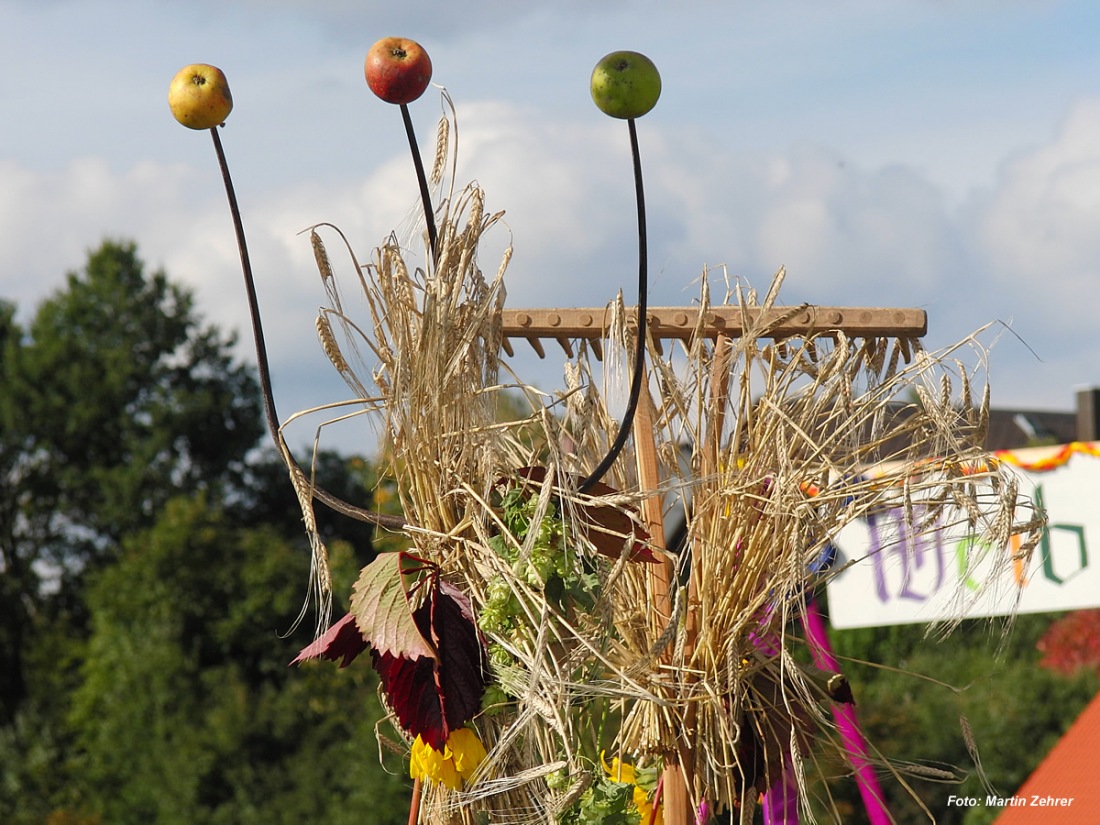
<point x="147" y="566"/>
<point x="116" y="397"/>
<point x="186" y="665"/>
<point x="125" y="399"/>
<point x="1072" y="643"/>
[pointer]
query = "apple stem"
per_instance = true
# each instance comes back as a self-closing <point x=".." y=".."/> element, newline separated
<point x="639" y="352"/>
<point x="263" y="366"/>
<point x="421" y="178"/>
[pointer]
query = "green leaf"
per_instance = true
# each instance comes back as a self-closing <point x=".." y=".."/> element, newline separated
<point x="604" y="803"/>
<point x="383" y="600"/>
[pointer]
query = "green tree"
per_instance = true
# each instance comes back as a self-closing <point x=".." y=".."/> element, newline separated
<point x="18" y="580"/>
<point x="187" y="667"/>
<point x="145" y="570"/>
<point x="116" y="397"/>
<point x="126" y="399"/>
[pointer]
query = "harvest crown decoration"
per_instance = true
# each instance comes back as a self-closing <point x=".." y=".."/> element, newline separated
<point x="550" y="646"/>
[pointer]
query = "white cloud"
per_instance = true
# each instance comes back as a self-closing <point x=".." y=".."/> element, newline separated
<point x="51" y="219"/>
<point x="1041" y="225"/>
<point x="1035" y="244"/>
<point x="845" y="233"/>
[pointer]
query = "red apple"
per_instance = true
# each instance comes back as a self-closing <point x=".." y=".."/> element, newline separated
<point x="397" y="69"/>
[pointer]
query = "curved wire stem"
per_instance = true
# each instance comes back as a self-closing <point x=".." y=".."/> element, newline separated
<point x="639" y="353"/>
<point x="421" y="179"/>
<point x="264" y="371"/>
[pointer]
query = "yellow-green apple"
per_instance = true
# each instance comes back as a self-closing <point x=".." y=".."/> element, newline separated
<point x="199" y="96"/>
<point x="625" y="84"/>
<point x="397" y="69"/>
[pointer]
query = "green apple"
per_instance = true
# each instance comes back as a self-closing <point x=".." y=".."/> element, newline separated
<point x="199" y="96"/>
<point x="625" y="84"/>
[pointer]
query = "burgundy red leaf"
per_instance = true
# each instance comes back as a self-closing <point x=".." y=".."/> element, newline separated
<point x="341" y="641"/>
<point x="431" y="697"/>
<point x="423" y="641"/>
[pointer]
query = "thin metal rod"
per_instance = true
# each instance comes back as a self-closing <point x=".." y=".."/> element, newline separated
<point x="263" y="368"/>
<point x="639" y="353"/>
<point x="421" y="179"/>
<point x="262" y="365"/>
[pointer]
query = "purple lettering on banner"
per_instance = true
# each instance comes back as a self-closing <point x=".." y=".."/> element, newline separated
<point x="919" y="553"/>
<point x="876" y="559"/>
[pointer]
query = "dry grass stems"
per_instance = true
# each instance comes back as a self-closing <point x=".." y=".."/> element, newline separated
<point x="777" y="436"/>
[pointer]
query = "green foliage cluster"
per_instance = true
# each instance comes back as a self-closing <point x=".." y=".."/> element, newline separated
<point x="151" y="564"/>
<point x="544" y="556"/>
<point x="547" y="561"/>
<point x="604" y="803"/>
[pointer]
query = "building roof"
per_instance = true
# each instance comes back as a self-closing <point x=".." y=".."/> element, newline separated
<point x="1067" y="773"/>
<point x="1010" y="429"/>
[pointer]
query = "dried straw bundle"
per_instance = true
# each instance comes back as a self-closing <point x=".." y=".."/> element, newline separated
<point x="777" y="470"/>
<point x="690" y="661"/>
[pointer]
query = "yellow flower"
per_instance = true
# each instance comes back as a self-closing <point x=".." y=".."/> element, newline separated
<point x="645" y="808"/>
<point x="458" y="761"/>
<point x="619" y="771"/>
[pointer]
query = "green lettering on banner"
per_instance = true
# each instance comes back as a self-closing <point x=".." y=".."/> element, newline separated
<point x="1047" y="551"/>
<point x="963" y="556"/>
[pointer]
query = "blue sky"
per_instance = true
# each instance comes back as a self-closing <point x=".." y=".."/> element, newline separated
<point x="926" y="153"/>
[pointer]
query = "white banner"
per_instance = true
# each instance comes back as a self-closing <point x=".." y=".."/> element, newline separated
<point x="903" y="577"/>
